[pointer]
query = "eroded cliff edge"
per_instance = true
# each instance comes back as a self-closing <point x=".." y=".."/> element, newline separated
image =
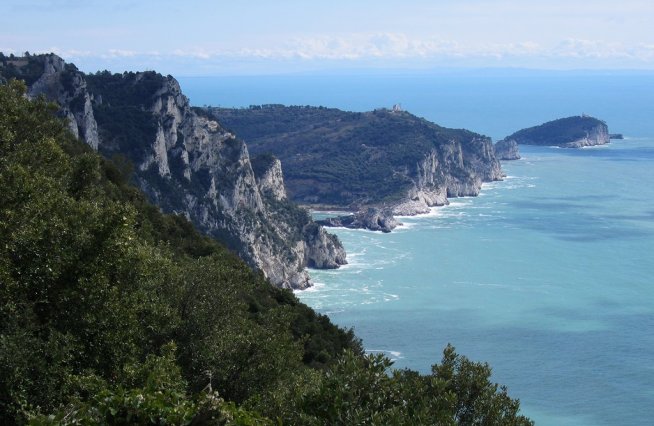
<point x="188" y="164"/>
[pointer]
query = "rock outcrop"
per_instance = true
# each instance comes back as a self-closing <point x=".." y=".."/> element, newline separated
<point x="188" y="164"/>
<point x="65" y="85"/>
<point x="323" y="250"/>
<point x="372" y="218"/>
<point x="507" y="149"/>
<point x="569" y="132"/>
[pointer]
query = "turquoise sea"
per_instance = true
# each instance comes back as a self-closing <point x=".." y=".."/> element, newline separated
<point x="547" y="275"/>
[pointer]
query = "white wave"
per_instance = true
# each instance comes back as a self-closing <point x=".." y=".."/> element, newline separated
<point x="316" y="287"/>
<point x="404" y="226"/>
<point x="331" y="212"/>
<point x="604" y="146"/>
<point x="457" y="204"/>
<point x="391" y="297"/>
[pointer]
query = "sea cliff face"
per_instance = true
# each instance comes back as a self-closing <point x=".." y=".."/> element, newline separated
<point x="65" y="85"/>
<point x="598" y="135"/>
<point x="507" y="149"/>
<point x="187" y="163"/>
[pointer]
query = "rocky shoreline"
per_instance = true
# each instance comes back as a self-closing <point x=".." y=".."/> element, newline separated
<point x="372" y="218"/>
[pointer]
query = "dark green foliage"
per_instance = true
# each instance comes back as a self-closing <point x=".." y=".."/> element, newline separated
<point x="113" y="313"/>
<point x="28" y="68"/>
<point x="557" y="132"/>
<point x="95" y="279"/>
<point x="364" y="390"/>
<point x="126" y="129"/>
<point x="261" y="163"/>
<point x="125" y="125"/>
<point x="125" y="90"/>
<point x="336" y="157"/>
<point x="158" y="397"/>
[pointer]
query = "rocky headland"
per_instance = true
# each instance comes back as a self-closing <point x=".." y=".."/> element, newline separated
<point x="187" y="163"/>
<point x="387" y="159"/>
<point x="569" y="132"/>
<point x="507" y="149"/>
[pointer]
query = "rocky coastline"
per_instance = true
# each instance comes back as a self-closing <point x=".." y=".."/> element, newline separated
<point x="187" y="163"/>
<point x="372" y="218"/>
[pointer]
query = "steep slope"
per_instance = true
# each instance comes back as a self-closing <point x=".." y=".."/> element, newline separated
<point x="188" y="164"/>
<point x="507" y="149"/>
<point x="569" y="132"/>
<point x="350" y="160"/>
<point x="95" y="281"/>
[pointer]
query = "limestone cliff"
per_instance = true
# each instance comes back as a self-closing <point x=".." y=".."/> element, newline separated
<point x="187" y="163"/>
<point x="64" y="84"/>
<point x="452" y="169"/>
<point x="507" y="149"/>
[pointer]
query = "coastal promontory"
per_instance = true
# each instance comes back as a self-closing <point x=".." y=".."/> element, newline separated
<point x="387" y="158"/>
<point x="569" y="132"/>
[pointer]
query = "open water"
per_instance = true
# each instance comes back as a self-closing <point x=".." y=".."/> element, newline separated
<point x="548" y="275"/>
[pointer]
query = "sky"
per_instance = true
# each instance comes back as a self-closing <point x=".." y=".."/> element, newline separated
<point x="236" y="37"/>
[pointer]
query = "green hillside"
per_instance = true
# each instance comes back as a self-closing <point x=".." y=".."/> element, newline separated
<point x="113" y="313"/>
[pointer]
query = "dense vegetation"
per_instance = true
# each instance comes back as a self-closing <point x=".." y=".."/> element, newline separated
<point x="27" y="68"/>
<point x="113" y="313"/>
<point x="338" y="157"/>
<point x="557" y="132"/>
<point x="121" y="111"/>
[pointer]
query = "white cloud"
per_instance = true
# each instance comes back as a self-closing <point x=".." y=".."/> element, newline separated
<point x="373" y="49"/>
<point x="121" y="53"/>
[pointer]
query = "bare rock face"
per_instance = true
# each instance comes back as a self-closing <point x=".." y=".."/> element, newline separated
<point x="323" y="250"/>
<point x="188" y="164"/>
<point x="64" y="84"/>
<point x="598" y="135"/>
<point x="507" y="149"/>
<point x="268" y="171"/>
<point x="224" y="196"/>
<point x="452" y="169"/>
